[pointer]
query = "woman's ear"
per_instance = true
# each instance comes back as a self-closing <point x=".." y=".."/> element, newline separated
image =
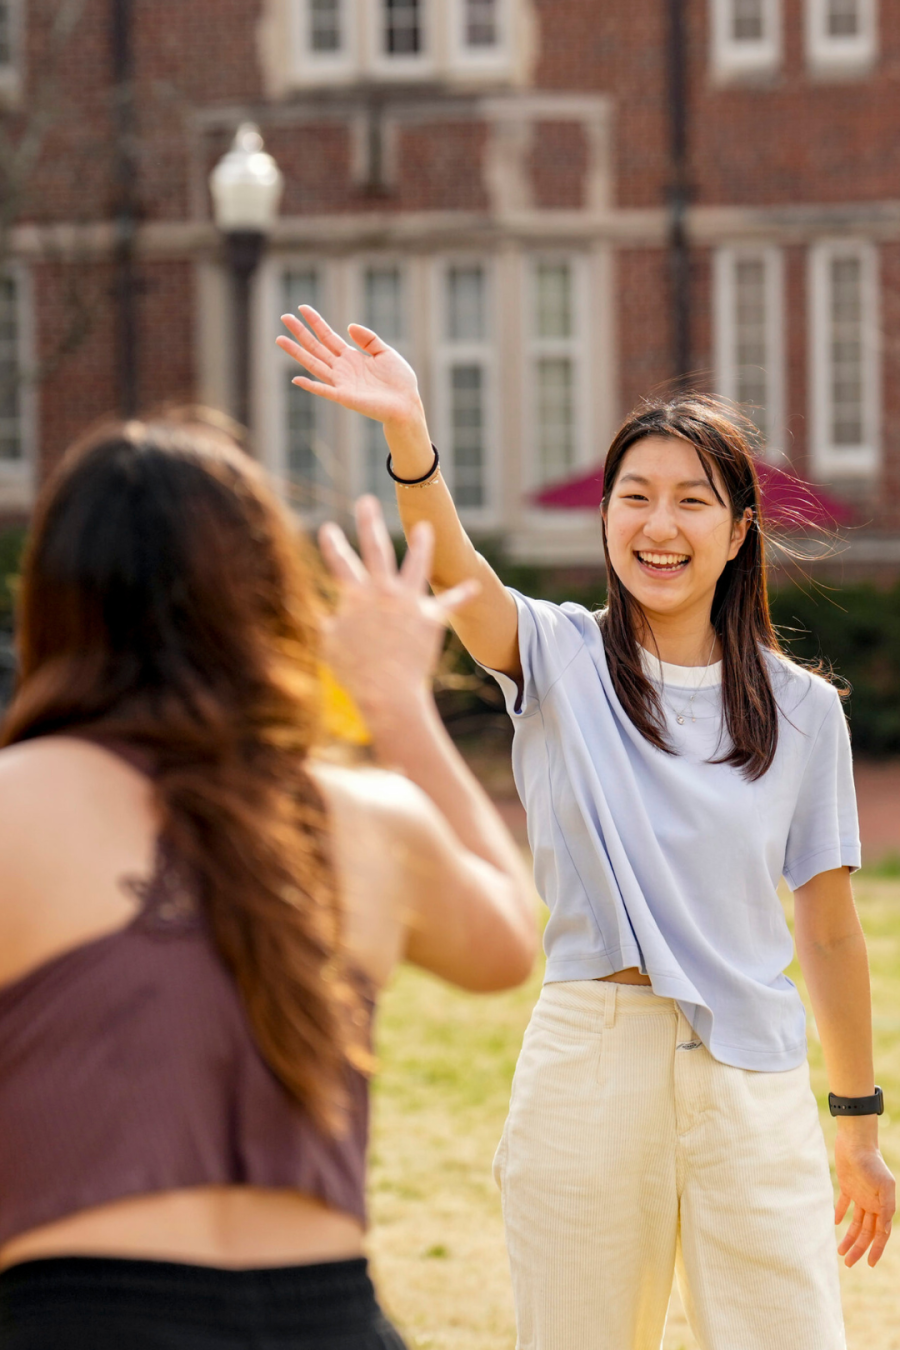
<point x="739" y="532"/>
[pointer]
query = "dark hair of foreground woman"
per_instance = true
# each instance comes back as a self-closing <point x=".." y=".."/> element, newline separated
<point x="166" y="604"/>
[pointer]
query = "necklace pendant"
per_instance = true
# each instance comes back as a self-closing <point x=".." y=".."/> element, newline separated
<point x="680" y="721"/>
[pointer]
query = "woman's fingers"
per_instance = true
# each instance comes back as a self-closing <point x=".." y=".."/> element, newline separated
<point x="307" y="340"/>
<point x="325" y="391"/>
<point x="416" y="568"/>
<point x="461" y="595"/>
<point x="861" y="1231"/>
<point x="840" y="1209"/>
<point x="364" y="337"/>
<point x="339" y="557"/>
<point x="374" y="541"/>
<point x="326" y="335"/>
<point x="312" y="363"/>
<point x="879" y="1242"/>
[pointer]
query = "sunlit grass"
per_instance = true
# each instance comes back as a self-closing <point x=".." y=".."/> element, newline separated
<point x="447" y="1062"/>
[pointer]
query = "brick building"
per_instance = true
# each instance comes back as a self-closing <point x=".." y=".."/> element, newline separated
<point x="551" y="206"/>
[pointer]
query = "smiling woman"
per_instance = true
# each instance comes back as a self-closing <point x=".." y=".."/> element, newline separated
<point x="674" y="765"/>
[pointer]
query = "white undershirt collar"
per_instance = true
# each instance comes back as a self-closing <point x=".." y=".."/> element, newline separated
<point x="680" y="677"/>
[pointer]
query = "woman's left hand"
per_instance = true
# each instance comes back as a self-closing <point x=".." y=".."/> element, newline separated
<point x="866" y="1182"/>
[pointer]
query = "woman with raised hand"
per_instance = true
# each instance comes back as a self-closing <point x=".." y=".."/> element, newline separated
<point x="197" y="912"/>
<point x="674" y="766"/>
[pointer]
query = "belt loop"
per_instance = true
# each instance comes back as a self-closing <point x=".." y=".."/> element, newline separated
<point x="609" y="1020"/>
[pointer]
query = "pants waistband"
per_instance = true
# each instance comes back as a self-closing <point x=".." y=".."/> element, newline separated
<point x="592" y="1005"/>
<point x="326" y="1293"/>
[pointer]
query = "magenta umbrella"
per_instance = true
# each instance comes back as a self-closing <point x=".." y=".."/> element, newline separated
<point x="786" y="501"/>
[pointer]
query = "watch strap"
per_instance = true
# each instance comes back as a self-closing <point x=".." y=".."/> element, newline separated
<point x="857" y="1106"/>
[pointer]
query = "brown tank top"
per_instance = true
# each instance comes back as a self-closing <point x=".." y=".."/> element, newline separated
<point x="128" y="1066"/>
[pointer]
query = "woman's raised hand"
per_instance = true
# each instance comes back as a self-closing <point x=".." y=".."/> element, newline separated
<point x="369" y="378"/>
<point x="384" y="639"/>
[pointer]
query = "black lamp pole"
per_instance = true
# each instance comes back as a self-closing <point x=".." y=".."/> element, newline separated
<point x="244" y="249"/>
<point x="679" y="193"/>
<point x="125" y="176"/>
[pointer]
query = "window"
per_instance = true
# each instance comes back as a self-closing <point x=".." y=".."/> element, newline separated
<point x="479" y="34"/>
<point x="305" y="458"/>
<point x="465" y="360"/>
<point x="325" y="39"/>
<point x="384" y="310"/>
<point x="6" y="51"/>
<point x="325" y="30"/>
<point x="402" y="27"/>
<point x="401" y="34"/>
<point x="554" y="374"/>
<point x="10" y="373"/>
<point x="17" y="391"/>
<point x="10" y="45"/>
<point x="749" y="336"/>
<point x="343" y="40"/>
<point x="845" y="358"/>
<point x="746" y="36"/>
<point x="841" y="35"/>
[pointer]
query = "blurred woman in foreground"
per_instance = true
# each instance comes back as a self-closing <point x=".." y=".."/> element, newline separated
<point x="196" y="916"/>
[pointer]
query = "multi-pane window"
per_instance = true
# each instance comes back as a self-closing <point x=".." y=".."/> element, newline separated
<point x="304" y="452"/>
<point x="841" y="35"/>
<point x="326" y="41"/>
<point x="554" y="375"/>
<point x="403" y="27"/>
<point x="325" y="31"/>
<point x="385" y="312"/>
<point x="465" y="369"/>
<point x="843" y="18"/>
<point x="845" y="355"/>
<point x="749" y="306"/>
<point x="10" y="372"/>
<point x="748" y="21"/>
<point x="481" y="20"/>
<point x="6" y="51"/>
<point x="746" y="36"/>
<point x="339" y="41"/>
<point x="847" y="350"/>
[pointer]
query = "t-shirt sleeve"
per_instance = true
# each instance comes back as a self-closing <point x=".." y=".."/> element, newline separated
<point x="550" y="637"/>
<point x="824" y="831"/>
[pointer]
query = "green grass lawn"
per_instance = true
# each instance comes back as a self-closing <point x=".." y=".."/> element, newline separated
<point x="447" y="1061"/>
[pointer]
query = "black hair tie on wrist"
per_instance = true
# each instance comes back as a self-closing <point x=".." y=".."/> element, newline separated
<point x="414" y="482"/>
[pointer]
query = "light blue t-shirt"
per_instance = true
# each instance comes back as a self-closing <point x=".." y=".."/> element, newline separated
<point x="669" y="862"/>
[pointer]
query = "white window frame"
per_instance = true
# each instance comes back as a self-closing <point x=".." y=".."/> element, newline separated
<point x="733" y="59"/>
<point x="409" y="65"/>
<point x="829" y="55"/>
<point x="483" y="351"/>
<point x="575" y="348"/>
<point x="17" y="477"/>
<point x="725" y="335"/>
<point x="273" y="387"/>
<point x="829" y="460"/>
<point x="462" y="57"/>
<point x="405" y="347"/>
<point x="332" y="67"/>
<point x="10" y="71"/>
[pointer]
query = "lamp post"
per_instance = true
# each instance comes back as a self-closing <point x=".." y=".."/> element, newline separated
<point x="246" y="187"/>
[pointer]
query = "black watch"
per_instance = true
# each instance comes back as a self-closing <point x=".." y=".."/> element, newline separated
<point x="857" y="1106"/>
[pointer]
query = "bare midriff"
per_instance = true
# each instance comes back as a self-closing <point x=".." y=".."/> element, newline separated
<point x="240" y="1226"/>
<point x="630" y="976"/>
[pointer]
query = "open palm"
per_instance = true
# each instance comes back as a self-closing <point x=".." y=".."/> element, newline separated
<point x="369" y="378"/>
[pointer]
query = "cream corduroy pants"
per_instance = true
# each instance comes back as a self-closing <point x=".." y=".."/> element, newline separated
<point x="629" y="1154"/>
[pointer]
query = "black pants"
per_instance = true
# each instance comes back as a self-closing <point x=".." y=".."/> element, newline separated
<point x="91" y="1303"/>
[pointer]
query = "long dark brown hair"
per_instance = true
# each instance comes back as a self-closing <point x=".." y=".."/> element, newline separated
<point x="166" y="602"/>
<point x="740" y="610"/>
